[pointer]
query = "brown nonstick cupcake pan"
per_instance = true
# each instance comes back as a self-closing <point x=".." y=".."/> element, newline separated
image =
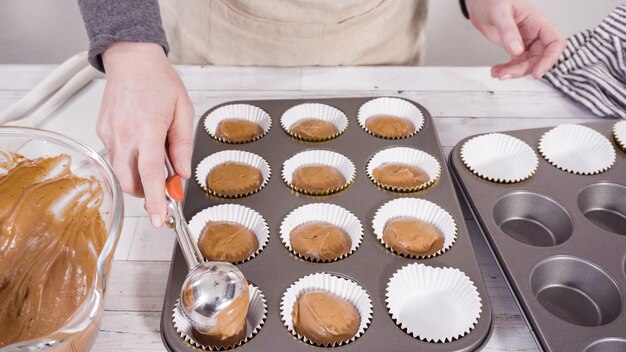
<point x="371" y="265"/>
<point x="560" y="237"/>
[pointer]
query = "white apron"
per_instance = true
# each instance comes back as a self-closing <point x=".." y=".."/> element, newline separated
<point x="295" y="32"/>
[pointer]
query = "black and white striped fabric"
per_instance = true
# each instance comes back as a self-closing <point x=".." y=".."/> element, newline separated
<point x="592" y="69"/>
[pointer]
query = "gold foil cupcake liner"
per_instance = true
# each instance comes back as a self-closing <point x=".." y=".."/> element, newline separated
<point x="331" y="213"/>
<point x="393" y="107"/>
<point x="247" y="217"/>
<point x="237" y="111"/>
<point x="405" y="155"/>
<point x="343" y="287"/>
<point x="319" y="158"/>
<point x="577" y="149"/>
<point x="500" y="158"/>
<point x="255" y="319"/>
<point x="318" y="111"/>
<point x="619" y="134"/>
<point x="420" y="209"/>
<point x="416" y="293"/>
<point x="236" y="156"/>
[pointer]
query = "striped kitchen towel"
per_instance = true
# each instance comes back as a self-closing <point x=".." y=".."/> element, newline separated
<point x="592" y="69"/>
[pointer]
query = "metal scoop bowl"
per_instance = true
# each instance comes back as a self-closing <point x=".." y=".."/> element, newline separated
<point x="209" y="287"/>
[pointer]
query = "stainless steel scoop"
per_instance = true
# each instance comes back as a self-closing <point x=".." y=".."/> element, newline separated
<point x="209" y="286"/>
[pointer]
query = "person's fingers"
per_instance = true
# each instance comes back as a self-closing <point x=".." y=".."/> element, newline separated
<point x="180" y="137"/>
<point x="553" y="49"/>
<point x="151" y="164"/>
<point x="124" y="163"/>
<point x="512" y="69"/>
<point x="510" y="37"/>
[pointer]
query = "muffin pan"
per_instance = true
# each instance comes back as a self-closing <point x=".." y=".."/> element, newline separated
<point x="559" y="238"/>
<point x="371" y="265"/>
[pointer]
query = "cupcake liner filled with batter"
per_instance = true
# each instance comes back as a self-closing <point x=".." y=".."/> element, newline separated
<point x="433" y="304"/>
<point x="232" y="173"/>
<point x="318" y="172"/>
<point x="500" y="158"/>
<point x="314" y="122"/>
<point x="577" y="149"/>
<point x="390" y="118"/>
<point x="321" y="232"/>
<point x="237" y="123"/>
<point x="414" y="228"/>
<point x="403" y="169"/>
<point x="619" y="134"/>
<point x="229" y="232"/>
<point x="326" y="310"/>
<point x="254" y="321"/>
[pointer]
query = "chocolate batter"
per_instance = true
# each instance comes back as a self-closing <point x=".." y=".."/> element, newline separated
<point x="410" y="236"/>
<point x="234" y="179"/>
<point x="317" y="178"/>
<point x="227" y="241"/>
<point x="324" y="317"/>
<point x="389" y="126"/>
<point x="399" y="175"/>
<point x="320" y="240"/>
<point x="231" y="323"/>
<point x="238" y="130"/>
<point x="312" y="129"/>
<point x="51" y="233"/>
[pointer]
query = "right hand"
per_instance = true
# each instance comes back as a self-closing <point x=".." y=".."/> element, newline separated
<point x="145" y="102"/>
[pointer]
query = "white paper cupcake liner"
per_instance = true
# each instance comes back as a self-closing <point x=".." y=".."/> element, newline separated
<point x="255" y="319"/>
<point x="619" y="134"/>
<point x="420" y="209"/>
<point x="433" y="304"/>
<point x="318" y="111"/>
<point x="577" y="149"/>
<point x="237" y="156"/>
<point x="342" y="287"/>
<point x="500" y="158"/>
<point x="393" y="107"/>
<point x="330" y="213"/>
<point x="236" y="213"/>
<point x="237" y="111"/>
<point x="405" y="155"/>
<point x="319" y="157"/>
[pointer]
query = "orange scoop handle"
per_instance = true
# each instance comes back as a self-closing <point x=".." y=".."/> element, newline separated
<point x="174" y="187"/>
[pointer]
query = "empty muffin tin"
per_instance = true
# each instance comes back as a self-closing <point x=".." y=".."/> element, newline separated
<point x="371" y="265"/>
<point x="560" y="239"/>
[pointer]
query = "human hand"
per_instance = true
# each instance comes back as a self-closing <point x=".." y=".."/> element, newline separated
<point x="533" y="43"/>
<point x="144" y="103"/>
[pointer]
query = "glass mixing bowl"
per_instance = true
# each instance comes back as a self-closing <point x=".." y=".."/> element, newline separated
<point x="80" y="331"/>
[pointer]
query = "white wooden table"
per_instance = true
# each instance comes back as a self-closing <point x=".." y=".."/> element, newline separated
<point x="463" y="101"/>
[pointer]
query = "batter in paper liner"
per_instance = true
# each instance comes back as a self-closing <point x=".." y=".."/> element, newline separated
<point x="389" y="126"/>
<point x="313" y="129"/>
<point x="227" y="241"/>
<point x="238" y="130"/>
<point x="410" y="236"/>
<point x="230" y="328"/>
<point x="400" y="175"/>
<point x="51" y="233"/>
<point x="317" y="178"/>
<point x="320" y="240"/>
<point x="324" y="317"/>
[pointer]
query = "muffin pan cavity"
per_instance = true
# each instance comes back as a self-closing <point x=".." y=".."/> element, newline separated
<point x="608" y="345"/>
<point x="532" y="219"/>
<point x="350" y="207"/>
<point x="604" y="204"/>
<point x="559" y="238"/>
<point x="576" y="291"/>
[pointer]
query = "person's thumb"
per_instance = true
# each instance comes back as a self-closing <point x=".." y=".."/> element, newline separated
<point x="510" y="37"/>
<point x="180" y="137"/>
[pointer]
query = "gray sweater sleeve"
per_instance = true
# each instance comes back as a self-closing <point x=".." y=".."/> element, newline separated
<point x="109" y="21"/>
